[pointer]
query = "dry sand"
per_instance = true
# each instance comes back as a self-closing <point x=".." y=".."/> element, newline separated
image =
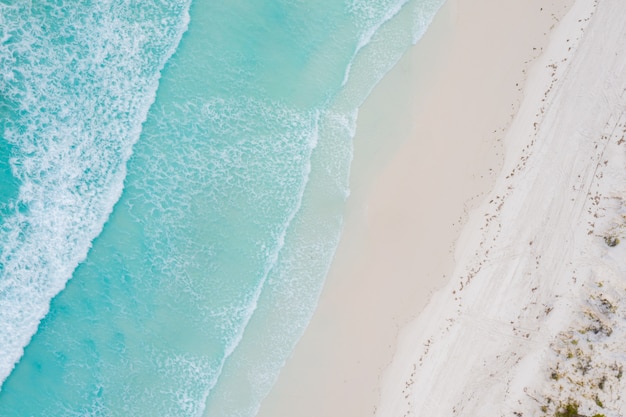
<point x="533" y="318"/>
<point x="429" y="147"/>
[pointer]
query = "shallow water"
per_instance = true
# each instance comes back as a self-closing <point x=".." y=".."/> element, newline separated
<point x="197" y="221"/>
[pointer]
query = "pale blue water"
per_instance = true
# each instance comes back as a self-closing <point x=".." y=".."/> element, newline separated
<point x="172" y="180"/>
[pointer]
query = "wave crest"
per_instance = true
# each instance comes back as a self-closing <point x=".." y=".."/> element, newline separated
<point x="77" y="81"/>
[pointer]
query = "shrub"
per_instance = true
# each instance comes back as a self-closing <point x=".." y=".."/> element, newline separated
<point x="570" y="410"/>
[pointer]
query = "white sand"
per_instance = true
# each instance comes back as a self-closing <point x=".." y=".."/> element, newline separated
<point x="438" y="120"/>
<point x="533" y="316"/>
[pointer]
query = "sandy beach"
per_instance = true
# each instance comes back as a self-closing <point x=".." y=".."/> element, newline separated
<point x="485" y="183"/>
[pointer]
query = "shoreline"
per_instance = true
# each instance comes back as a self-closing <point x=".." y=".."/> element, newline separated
<point x="446" y="117"/>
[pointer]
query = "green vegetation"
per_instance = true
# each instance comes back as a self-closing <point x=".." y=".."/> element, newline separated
<point x="569" y="410"/>
<point x="580" y="377"/>
<point x="611" y="241"/>
<point x="599" y="403"/>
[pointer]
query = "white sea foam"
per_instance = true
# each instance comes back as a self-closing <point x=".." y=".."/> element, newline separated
<point x="313" y="235"/>
<point x="297" y="274"/>
<point x="372" y="19"/>
<point x="254" y="151"/>
<point x="423" y="17"/>
<point x="79" y="82"/>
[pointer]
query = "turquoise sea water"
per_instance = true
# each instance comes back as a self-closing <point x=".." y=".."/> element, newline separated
<point x="172" y="180"/>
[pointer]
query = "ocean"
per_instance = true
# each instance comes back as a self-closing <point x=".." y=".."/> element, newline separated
<point x="173" y="176"/>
